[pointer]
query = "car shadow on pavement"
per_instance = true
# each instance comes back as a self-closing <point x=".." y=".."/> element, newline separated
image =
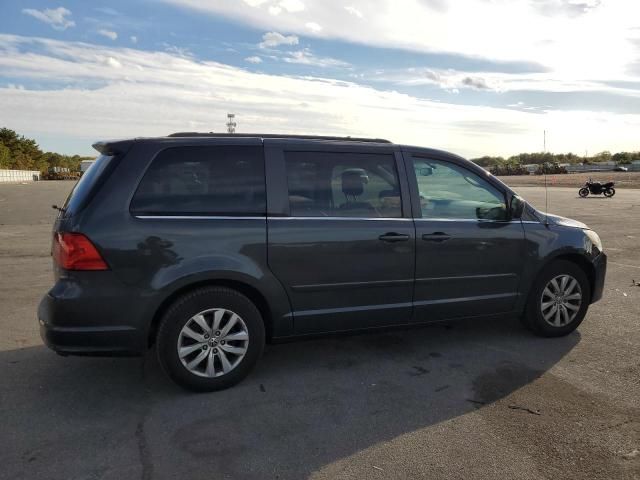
<point x="306" y="406"/>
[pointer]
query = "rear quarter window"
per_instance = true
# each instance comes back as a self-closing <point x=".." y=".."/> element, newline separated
<point x="215" y="180"/>
<point x="86" y="186"/>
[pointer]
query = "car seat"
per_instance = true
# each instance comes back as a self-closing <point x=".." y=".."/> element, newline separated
<point x="353" y="182"/>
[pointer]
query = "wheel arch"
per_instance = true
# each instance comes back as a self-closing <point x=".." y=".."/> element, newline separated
<point x="586" y="266"/>
<point x="576" y="258"/>
<point x="250" y="291"/>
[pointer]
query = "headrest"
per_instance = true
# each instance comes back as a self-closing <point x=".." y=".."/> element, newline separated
<point x="353" y="181"/>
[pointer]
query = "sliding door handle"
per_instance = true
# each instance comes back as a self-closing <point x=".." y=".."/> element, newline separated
<point x="394" y="237"/>
<point x="435" y="237"/>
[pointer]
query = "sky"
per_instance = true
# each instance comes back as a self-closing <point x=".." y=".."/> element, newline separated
<point x="475" y="77"/>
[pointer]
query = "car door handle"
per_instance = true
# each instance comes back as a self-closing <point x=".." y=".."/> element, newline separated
<point x="394" y="237"/>
<point x="435" y="237"/>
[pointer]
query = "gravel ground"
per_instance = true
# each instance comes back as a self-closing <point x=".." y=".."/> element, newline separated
<point x="462" y="400"/>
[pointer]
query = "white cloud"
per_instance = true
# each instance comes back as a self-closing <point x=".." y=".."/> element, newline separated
<point x="113" y="62"/>
<point x="255" y="3"/>
<point x="178" y="51"/>
<point x="254" y="59"/>
<point x="453" y="80"/>
<point x="305" y="57"/>
<point x="108" y="33"/>
<point x="313" y="26"/>
<point x="575" y="39"/>
<point x="133" y="39"/>
<point x="354" y="11"/>
<point x="275" y="39"/>
<point x="450" y="80"/>
<point x="292" y="5"/>
<point x="288" y="6"/>
<point x="56" y="17"/>
<point x="155" y="93"/>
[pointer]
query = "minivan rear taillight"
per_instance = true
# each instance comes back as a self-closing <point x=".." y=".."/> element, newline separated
<point x="74" y="251"/>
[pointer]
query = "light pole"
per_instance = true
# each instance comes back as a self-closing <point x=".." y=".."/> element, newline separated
<point x="231" y="123"/>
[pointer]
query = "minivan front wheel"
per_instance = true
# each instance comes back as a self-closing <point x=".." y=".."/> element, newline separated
<point x="558" y="301"/>
<point x="210" y="339"/>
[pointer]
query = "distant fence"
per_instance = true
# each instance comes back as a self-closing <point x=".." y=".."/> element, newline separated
<point x="594" y="167"/>
<point x="17" y="176"/>
<point x="589" y="167"/>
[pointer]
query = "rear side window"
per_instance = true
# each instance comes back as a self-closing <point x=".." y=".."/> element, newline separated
<point x="216" y="180"/>
<point x="83" y="190"/>
<point x="332" y="184"/>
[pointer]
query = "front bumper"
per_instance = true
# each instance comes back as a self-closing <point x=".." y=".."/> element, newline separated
<point x="600" y="270"/>
<point x="78" y="325"/>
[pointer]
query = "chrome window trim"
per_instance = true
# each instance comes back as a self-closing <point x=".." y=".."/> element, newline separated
<point x="402" y="219"/>
<point x="231" y="217"/>
<point x="197" y="217"/>
<point x="477" y="220"/>
<point x="224" y="217"/>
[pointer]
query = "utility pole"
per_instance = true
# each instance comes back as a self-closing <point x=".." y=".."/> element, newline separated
<point x="231" y="123"/>
<point x="544" y="141"/>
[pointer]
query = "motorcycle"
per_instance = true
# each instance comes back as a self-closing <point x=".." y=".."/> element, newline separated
<point x="597" y="188"/>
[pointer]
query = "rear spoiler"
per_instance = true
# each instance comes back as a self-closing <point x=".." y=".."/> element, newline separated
<point x="113" y="147"/>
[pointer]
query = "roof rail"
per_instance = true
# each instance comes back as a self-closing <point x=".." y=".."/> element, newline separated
<point x="276" y="135"/>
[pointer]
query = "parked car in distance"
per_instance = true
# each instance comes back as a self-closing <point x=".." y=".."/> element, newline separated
<point x="620" y="168"/>
<point x="210" y="245"/>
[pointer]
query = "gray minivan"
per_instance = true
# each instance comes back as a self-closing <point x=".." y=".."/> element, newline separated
<point x="210" y="245"/>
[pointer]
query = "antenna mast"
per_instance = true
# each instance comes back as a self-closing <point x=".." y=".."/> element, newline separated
<point x="544" y="170"/>
<point x="231" y="123"/>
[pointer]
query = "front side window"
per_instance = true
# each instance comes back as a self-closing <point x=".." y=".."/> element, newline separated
<point x="343" y="185"/>
<point x="448" y="191"/>
<point x="217" y="180"/>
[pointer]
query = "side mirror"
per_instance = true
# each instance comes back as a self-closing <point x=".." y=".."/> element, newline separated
<point x="426" y="171"/>
<point x="495" y="213"/>
<point x="517" y="206"/>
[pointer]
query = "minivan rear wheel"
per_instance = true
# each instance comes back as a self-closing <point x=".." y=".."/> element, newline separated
<point x="558" y="301"/>
<point x="210" y="339"/>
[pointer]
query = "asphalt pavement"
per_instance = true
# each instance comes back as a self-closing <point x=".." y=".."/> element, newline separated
<point x="468" y="400"/>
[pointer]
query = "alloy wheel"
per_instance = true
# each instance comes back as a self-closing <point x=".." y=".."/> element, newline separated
<point x="213" y="342"/>
<point x="561" y="300"/>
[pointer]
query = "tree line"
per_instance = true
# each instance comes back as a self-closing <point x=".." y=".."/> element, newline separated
<point x="555" y="158"/>
<point x="20" y="153"/>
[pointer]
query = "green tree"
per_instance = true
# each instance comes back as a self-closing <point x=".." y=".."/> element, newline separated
<point x="4" y="156"/>
<point x="487" y="161"/>
<point x="604" y="156"/>
<point x="41" y="165"/>
<point x="625" y="157"/>
<point x="23" y="152"/>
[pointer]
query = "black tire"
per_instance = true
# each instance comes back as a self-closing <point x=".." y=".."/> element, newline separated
<point x="182" y="311"/>
<point x="610" y="192"/>
<point x="533" y="318"/>
<point x="583" y="192"/>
